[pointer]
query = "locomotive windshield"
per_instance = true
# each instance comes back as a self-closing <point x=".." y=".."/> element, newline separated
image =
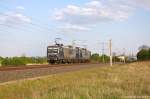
<point x="52" y="50"/>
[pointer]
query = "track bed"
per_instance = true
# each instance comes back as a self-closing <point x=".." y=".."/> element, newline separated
<point x="16" y="73"/>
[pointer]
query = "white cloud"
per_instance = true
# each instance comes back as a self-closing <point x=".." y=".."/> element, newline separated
<point x="93" y="4"/>
<point x="97" y="11"/>
<point x="14" y="18"/>
<point x="133" y="3"/>
<point x="20" y="8"/>
<point x="74" y="28"/>
<point x="91" y="13"/>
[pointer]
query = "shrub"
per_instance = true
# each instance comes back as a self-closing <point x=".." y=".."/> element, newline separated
<point x="104" y="58"/>
<point x="143" y="54"/>
<point x="95" y="57"/>
<point x="15" y="61"/>
<point x="149" y="53"/>
<point x="1" y="59"/>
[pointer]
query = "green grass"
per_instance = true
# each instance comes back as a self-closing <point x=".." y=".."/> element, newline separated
<point x="120" y="81"/>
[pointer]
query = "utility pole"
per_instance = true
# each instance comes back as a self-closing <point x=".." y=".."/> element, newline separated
<point x="110" y="51"/>
<point x="124" y="54"/>
<point x="103" y="51"/>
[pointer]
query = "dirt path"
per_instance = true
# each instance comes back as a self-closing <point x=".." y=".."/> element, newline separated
<point x="36" y="72"/>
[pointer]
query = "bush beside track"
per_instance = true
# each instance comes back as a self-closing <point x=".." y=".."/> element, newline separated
<point x="21" y="61"/>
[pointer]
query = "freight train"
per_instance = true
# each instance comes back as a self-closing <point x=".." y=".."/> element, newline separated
<point x="58" y="53"/>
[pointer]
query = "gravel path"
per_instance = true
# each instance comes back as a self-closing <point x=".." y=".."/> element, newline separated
<point x="36" y="72"/>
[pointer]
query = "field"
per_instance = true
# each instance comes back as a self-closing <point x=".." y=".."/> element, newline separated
<point x="116" y="82"/>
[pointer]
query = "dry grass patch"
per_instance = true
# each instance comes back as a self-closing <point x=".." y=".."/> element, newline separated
<point x="99" y="83"/>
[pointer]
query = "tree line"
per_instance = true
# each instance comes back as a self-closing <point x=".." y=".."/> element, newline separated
<point x="17" y="61"/>
<point x="103" y="58"/>
<point x="144" y="53"/>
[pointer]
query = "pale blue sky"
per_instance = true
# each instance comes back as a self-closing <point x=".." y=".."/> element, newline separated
<point x="28" y="26"/>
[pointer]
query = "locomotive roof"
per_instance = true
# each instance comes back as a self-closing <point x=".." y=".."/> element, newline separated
<point x="67" y="46"/>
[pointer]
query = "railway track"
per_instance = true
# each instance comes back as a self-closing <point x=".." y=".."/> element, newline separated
<point x="37" y="66"/>
<point x="16" y="73"/>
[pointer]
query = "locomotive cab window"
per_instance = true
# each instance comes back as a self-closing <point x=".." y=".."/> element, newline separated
<point x="52" y="50"/>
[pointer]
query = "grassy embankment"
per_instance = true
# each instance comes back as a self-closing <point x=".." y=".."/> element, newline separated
<point x="126" y="81"/>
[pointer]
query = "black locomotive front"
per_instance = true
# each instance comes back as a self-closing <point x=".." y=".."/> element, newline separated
<point x="52" y="54"/>
<point x="55" y="53"/>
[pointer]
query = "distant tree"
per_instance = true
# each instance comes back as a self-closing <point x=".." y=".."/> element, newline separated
<point x="104" y="58"/>
<point x="116" y="59"/>
<point x="5" y="61"/>
<point x="15" y="61"/>
<point x="95" y="57"/>
<point x="98" y="58"/>
<point x="19" y="61"/>
<point x="1" y="59"/>
<point x="143" y="54"/>
<point x="149" y="54"/>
